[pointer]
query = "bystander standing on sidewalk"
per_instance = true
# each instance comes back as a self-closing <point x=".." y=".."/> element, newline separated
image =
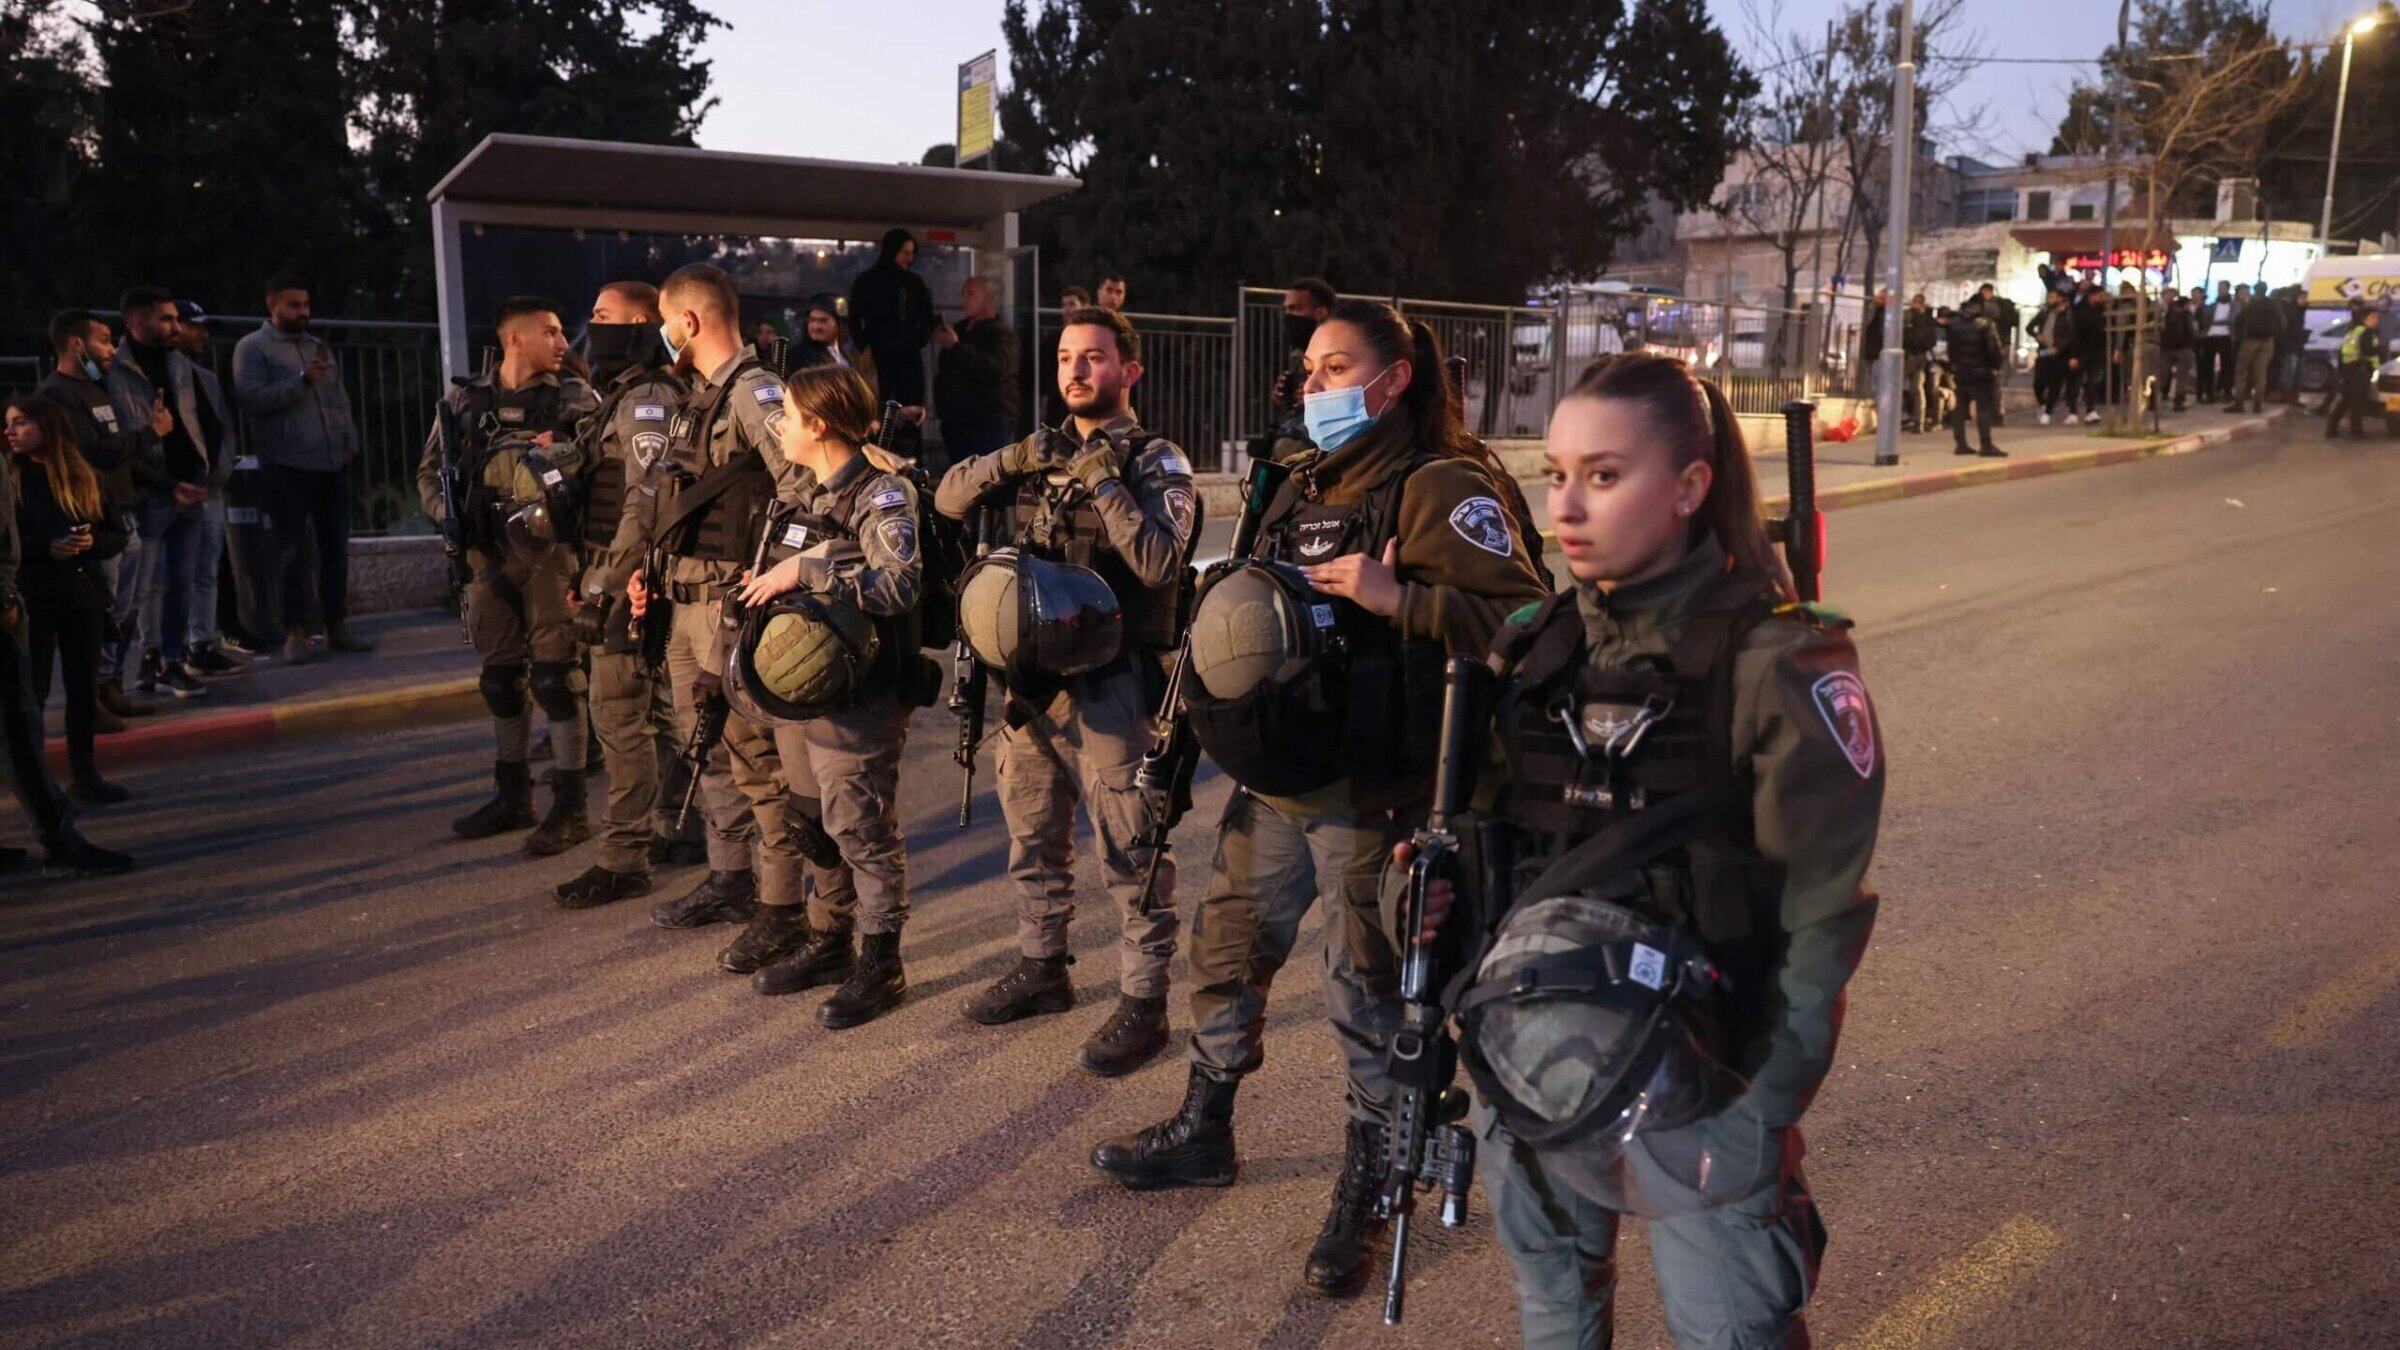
<point x="67" y="852"/>
<point x="82" y="348"/>
<point x="69" y="527"/>
<point x="2179" y="347"/>
<point x="1918" y="332"/>
<point x="156" y="615"/>
<point x="976" y="386"/>
<point x="2256" y="329"/>
<point x="202" y="656"/>
<point x="2053" y="332"/>
<point x="2216" y="344"/>
<point x="302" y="435"/>
<point x="2088" y="359"/>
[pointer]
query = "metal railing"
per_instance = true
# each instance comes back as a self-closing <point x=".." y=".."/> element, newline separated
<point x="1186" y="391"/>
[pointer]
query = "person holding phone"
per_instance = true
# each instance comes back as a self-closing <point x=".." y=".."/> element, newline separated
<point x="69" y="529"/>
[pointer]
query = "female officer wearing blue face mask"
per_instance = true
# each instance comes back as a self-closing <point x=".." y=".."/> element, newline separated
<point x="1405" y="534"/>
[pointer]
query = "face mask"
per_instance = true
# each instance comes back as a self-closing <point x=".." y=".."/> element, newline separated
<point x="666" y="334"/>
<point x="91" y="368"/>
<point x="1336" y="416"/>
<point x="1297" y="330"/>
<point x="613" y="348"/>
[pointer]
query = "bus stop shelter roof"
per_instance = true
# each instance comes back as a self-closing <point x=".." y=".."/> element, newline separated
<point x="537" y="174"/>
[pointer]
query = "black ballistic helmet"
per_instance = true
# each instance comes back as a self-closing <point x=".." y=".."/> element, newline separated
<point x="1030" y="617"/>
<point x="799" y="656"/>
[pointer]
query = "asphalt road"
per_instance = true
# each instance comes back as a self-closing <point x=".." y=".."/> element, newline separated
<point x="2117" y="1072"/>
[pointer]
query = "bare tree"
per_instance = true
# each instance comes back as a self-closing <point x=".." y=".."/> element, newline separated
<point x="1791" y="157"/>
<point x="1859" y="83"/>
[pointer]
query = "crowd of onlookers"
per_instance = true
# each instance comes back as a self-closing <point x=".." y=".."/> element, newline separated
<point x="168" y="523"/>
<point x="2240" y="347"/>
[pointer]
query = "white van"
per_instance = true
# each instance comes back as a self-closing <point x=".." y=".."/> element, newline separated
<point x="2333" y="284"/>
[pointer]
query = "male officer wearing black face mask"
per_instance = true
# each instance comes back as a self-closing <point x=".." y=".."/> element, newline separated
<point x="626" y="449"/>
<point x="1305" y="304"/>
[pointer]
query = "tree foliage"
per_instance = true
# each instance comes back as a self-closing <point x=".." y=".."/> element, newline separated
<point x="1426" y="147"/>
<point x="205" y="144"/>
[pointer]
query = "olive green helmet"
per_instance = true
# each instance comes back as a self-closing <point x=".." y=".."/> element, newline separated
<point x="798" y="657"/>
<point x="1028" y="617"/>
<point x="543" y="494"/>
<point x="1251" y="620"/>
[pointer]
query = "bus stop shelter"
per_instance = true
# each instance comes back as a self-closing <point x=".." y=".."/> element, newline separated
<point x="560" y="217"/>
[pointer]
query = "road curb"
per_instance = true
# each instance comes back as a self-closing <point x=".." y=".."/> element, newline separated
<point x="458" y="699"/>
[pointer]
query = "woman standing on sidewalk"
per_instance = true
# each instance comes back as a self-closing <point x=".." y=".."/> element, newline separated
<point x="69" y="531"/>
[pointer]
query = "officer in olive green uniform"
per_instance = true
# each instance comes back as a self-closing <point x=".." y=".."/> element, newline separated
<point x="628" y="464"/>
<point x="725" y="441"/>
<point x="517" y="605"/>
<point x="857" y="534"/>
<point x="1782" y="909"/>
<point x="1098" y="492"/>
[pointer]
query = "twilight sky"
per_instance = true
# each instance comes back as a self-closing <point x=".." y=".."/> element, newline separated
<point x="874" y="79"/>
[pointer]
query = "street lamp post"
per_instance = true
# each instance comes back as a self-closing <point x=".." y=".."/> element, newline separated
<point x="2333" y="160"/>
<point x="1904" y="145"/>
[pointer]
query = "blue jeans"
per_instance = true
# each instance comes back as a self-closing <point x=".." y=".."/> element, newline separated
<point x="201" y="627"/>
<point x="170" y="566"/>
<point x="126" y="571"/>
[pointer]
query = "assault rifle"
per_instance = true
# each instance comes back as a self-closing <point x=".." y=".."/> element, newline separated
<point x="1165" y="775"/>
<point x="1426" y="1145"/>
<point x="970" y="681"/>
<point x="1801" y="528"/>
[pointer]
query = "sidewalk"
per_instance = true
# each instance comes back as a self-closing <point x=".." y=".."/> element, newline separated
<point x="422" y="672"/>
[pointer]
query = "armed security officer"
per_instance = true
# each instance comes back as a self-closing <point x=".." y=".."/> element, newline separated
<point x="1098" y="492"/>
<point x="1977" y="360"/>
<point x="1675" y="702"/>
<point x="728" y="461"/>
<point x="518" y="602"/>
<point x="1393" y="536"/>
<point x="626" y="442"/>
<point x="855" y="529"/>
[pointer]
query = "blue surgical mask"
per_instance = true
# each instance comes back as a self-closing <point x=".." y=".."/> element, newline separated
<point x="91" y="368"/>
<point x="666" y="334"/>
<point x="1335" y="417"/>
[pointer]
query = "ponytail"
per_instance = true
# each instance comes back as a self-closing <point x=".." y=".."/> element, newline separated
<point x="1692" y="413"/>
<point x="1429" y="412"/>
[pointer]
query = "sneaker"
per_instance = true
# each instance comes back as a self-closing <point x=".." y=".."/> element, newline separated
<point x="239" y="645"/>
<point x="296" y="651"/>
<point x="202" y="662"/>
<point x="2044" y="419"/>
<point x="113" y="699"/>
<point x="1992" y="452"/>
<point x="180" y="682"/>
<point x="2091" y="419"/>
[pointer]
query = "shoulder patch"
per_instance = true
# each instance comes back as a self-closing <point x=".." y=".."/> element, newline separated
<point x="1841" y="699"/>
<point x="648" y="446"/>
<point x="1481" y="522"/>
<point x="1171" y="460"/>
<point x="890" y="498"/>
<point x="898" y="536"/>
<point x="767" y="393"/>
<point x="649" y="412"/>
<point x="1180" y="509"/>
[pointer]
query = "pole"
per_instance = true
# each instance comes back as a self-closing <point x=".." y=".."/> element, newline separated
<point x="1904" y="151"/>
<point x="1822" y="300"/>
<point x="2341" y="96"/>
<point x="2108" y="206"/>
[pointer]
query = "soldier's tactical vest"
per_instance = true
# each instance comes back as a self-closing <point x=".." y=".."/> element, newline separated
<point x="1630" y="773"/>
<point x="899" y="636"/>
<point x="604" y="500"/>
<point x="1373" y="699"/>
<point x="1059" y="522"/>
<point x="716" y="516"/>
<point x="498" y="424"/>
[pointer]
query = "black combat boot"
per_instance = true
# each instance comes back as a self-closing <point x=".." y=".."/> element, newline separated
<point x="1036" y="984"/>
<point x="1193" y="1147"/>
<point x="721" y="897"/>
<point x="598" y="886"/>
<point x="774" y="932"/>
<point x="1338" y="1265"/>
<point x="875" y="987"/>
<point x="666" y="851"/>
<point x="826" y="957"/>
<point x="1129" y="1039"/>
<point x="511" y="808"/>
<point x="567" y="825"/>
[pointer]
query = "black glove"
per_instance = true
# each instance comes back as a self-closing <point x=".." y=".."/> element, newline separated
<point x="591" y="621"/>
<point x="1098" y="464"/>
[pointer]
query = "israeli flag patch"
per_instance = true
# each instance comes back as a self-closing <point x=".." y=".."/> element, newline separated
<point x="795" y="535"/>
<point x="768" y="393"/>
<point x="1170" y="461"/>
<point x="887" y="500"/>
<point x="649" y="412"/>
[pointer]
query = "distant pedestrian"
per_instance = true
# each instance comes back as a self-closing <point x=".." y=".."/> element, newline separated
<point x="1111" y="295"/>
<point x="203" y="655"/>
<point x="1976" y="356"/>
<point x="2053" y="332"/>
<point x="301" y="432"/>
<point x="156" y="618"/>
<point x="892" y="315"/>
<point x="2088" y="359"/>
<point x="2255" y="329"/>
<point x="68" y="528"/>
<point x="2362" y="351"/>
<point x="1918" y="333"/>
<point x="2179" y="347"/>
<point x="1074" y="298"/>
<point x="1870" y="339"/>
<point x="977" y="388"/>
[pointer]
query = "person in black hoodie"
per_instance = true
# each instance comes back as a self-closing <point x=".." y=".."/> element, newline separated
<point x="2087" y="360"/>
<point x="892" y="314"/>
<point x="2178" y="345"/>
<point x="74" y="528"/>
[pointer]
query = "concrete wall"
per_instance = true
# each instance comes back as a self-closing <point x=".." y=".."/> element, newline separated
<point x="397" y="572"/>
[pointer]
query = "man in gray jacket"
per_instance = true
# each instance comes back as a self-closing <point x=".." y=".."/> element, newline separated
<point x="174" y="525"/>
<point x="290" y="389"/>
